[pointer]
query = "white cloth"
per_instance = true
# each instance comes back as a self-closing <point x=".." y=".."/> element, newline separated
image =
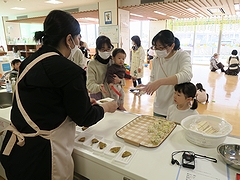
<point x="213" y="63"/>
<point x="176" y="115"/>
<point x="79" y="59"/>
<point x="137" y="61"/>
<point x="233" y="63"/>
<point x="180" y="65"/>
<point x="115" y="96"/>
<point x="201" y="96"/>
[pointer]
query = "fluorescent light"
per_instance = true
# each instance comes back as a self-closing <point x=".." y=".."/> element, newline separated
<point x="157" y="12"/>
<point x="236" y="6"/>
<point x="152" y="18"/>
<point x="238" y="13"/>
<point x="200" y="15"/>
<point x="191" y="10"/>
<point x="173" y="17"/>
<point x="53" y="2"/>
<point x="18" y="8"/>
<point x="89" y="19"/>
<point x="136" y="15"/>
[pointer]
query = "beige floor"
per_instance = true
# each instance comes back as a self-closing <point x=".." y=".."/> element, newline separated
<point x="223" y="90"/>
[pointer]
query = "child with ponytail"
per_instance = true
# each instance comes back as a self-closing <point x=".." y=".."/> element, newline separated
<point x="185" y="102"/>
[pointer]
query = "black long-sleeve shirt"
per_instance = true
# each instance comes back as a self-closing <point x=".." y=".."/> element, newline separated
<point x="52" y="90"/>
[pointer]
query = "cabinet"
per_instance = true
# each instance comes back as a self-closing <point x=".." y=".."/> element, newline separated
<point x="91" y="170"/>
<point x="25" y="50"/>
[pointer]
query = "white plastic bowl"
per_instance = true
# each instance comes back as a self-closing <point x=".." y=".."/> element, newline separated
<point x="203" y="139"/>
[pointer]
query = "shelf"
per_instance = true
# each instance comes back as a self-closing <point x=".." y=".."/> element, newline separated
<point x="25" y="50"/>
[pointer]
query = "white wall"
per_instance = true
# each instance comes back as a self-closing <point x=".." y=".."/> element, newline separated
<point x="44" y="13"/>
<point x="104" y="6"/>
<point x="155" y="27"/>
<point x="129" y="2"/>
<point x="2" y="35"/>
<point x="124" y="32"/>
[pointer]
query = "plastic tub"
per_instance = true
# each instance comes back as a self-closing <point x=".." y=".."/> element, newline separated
<point x="200" y="137"/>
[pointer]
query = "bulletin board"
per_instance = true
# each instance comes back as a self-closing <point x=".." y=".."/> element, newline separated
<point x="110" y="31"/>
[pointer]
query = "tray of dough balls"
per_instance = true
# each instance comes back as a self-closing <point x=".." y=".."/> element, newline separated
<point x="148" y="131"/>
<point x="110" y="149"/>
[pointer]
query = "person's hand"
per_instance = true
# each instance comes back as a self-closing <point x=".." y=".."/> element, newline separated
<point x="110" y="85"/>
<point x="139" y="70"/>
<point x="103" y="89"/>
<point x="110" y="106"/>
<point x="151" y="87"/>
<point x="93" y="101"/>
<point x="116" y="79"/>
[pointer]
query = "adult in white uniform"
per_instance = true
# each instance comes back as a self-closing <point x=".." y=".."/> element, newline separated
<point x="170" y="66"/>
<point x="137" y="60"/>
<point x="50" y="99"/>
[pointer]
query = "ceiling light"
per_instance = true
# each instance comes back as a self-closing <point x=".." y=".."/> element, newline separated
<point x="152" y="18"/>
<point x="216" y="11"/>
<point x="53" y="2"/>
<point x="191" y="10"/>
<point x="89" y="19"/>
<point x="238" y="13"/>
<point x="18" y="8"/>
<point x="200" y="15"/>
<point x="173" y="17"/>
<point x="135" y="20"/>
<point x="160" y="13"/>
<point x="136" y="15"/>
<point x="236" y="7"/>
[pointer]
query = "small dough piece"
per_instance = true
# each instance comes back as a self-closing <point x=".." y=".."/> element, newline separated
<point x="84" y="128"/>
<point x="102" y="145"/>
<point x="126" y="154"/>
<point x="82" y="139"/>
<point x="115" y="149"/>
<point x="94" y="141"/>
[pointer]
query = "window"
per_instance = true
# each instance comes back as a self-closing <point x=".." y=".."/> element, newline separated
<point x="206" y="42"/>
<point x="89" y="34"/>
<point x="230" y="40"/>
<point x="28" y="32"/>
<point x="185" y="34"/>
<point x="141" y="29"/>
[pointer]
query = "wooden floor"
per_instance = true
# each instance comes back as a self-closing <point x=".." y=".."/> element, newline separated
<point x="223" y="90"/>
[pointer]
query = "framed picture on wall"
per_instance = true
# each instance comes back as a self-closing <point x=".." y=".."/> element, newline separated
<point x="108" y="17"/>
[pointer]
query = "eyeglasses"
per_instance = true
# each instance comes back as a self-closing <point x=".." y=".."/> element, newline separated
<point x="159" y="47"/>
<point x="106" y="50"/>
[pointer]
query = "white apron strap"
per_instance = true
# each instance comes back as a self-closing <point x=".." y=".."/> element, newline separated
<point x="15" y="133"/>
<point x="20" y="136"/>
<point x="27" y="68"/>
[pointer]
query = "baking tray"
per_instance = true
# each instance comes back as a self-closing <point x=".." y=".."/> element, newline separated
<point x="143" y="130"/>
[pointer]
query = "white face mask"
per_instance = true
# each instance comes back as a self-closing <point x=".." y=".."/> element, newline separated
<point x="73" y="51"/>
<point x="161" y="54"/>
<point x="104" y="55"/>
